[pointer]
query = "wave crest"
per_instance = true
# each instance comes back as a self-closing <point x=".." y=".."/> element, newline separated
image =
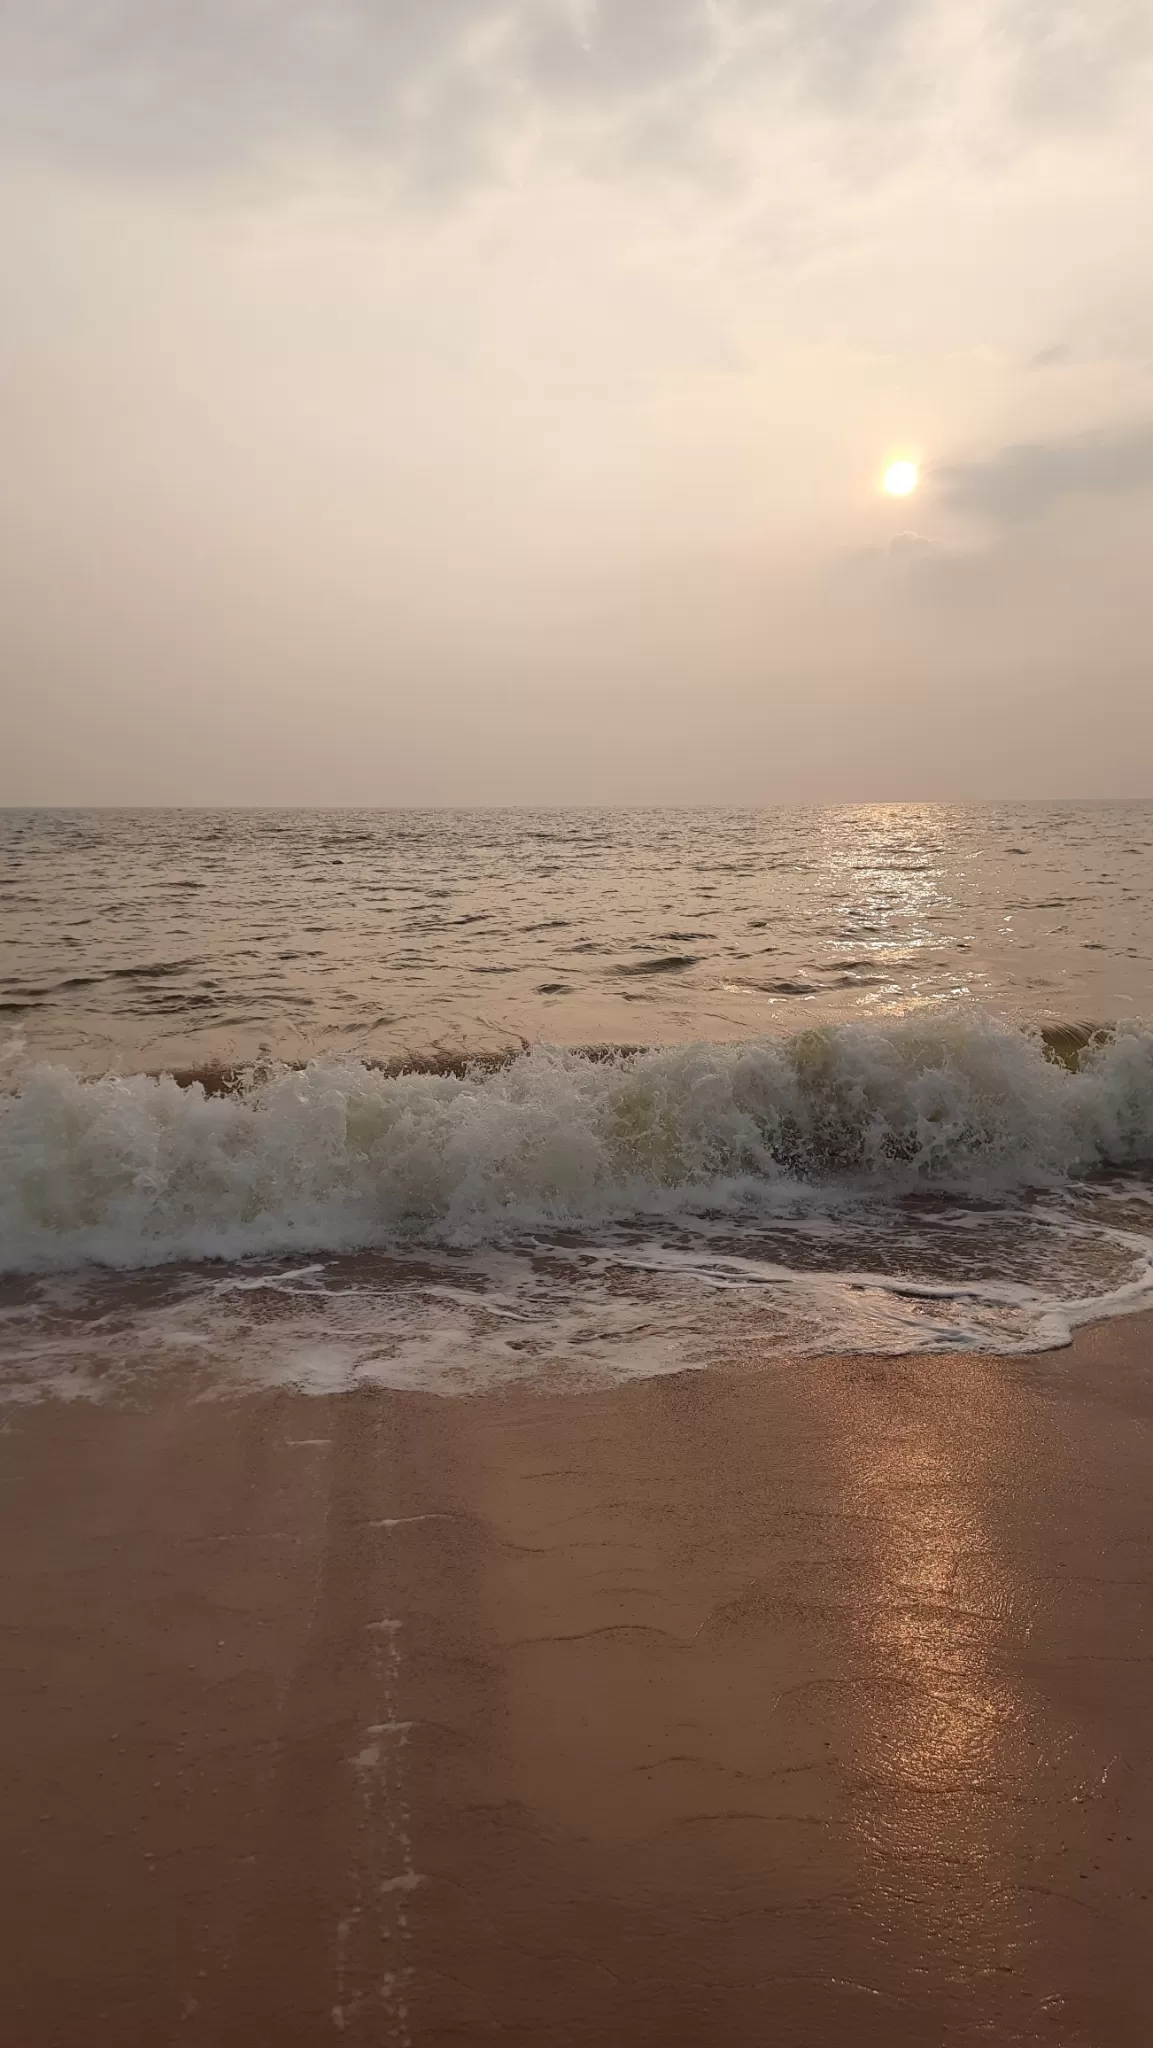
<point x="131" y="1171"/>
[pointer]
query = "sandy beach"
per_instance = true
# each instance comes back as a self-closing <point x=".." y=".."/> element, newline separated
<point x="804" y="1703"/>
<point x="576" y="1024"/>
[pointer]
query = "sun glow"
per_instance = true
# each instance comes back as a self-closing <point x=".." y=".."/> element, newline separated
<point x="901" y="478"/>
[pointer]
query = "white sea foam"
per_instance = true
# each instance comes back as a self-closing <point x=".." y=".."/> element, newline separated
<point x="623" y="1305"/>
<point x="134" y="1171"/>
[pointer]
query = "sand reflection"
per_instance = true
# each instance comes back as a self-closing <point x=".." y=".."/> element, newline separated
<point x="945" y="1747"/>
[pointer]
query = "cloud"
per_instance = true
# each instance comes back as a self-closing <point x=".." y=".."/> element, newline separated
<point x="1057" y="357"/>
<point x="165" y="84"/>
<point x="443" y="90"/>
<point x="1076" y="60"/>
<point x="910" y="547"/>
<point x="165" y="80"/>
<point x="605" y="48"/>
<point x="1025" y="480"/>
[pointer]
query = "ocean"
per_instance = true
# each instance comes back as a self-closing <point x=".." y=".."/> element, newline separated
<point x="443" y="1098"/>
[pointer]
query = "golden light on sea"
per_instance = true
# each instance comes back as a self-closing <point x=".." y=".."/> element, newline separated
<point x="901" y="477"/>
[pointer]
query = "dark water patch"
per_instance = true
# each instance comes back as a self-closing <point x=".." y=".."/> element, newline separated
<point x="669" y="963"/>
<point x="157" y="970"/>
<point x="571" y="838"/>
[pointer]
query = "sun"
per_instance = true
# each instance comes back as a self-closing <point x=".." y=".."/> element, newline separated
<point x="901" y="478"/>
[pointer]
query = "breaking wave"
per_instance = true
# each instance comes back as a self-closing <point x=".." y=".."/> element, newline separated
<point x="132" y="1171"/>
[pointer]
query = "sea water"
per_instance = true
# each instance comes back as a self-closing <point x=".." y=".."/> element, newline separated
<point x="430" y="1098"/>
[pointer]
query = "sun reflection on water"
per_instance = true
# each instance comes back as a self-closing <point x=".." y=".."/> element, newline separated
<point x="948" y="1742"/>
<point x="891" y="867"/>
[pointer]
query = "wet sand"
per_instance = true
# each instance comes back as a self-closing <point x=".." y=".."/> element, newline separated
<point x="799" y="1703"/>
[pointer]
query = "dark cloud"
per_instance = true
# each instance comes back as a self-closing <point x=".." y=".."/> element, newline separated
<point x="1054" y="358"/>
<point x="1026" y="480"/>
<point x="1076" y="60"/>
<point x="170" y="83"/>
<point x="440" y="89"/>
<point x="605" y="48"/>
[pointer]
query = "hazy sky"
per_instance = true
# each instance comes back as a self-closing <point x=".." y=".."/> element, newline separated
<point x="486" y="400"/>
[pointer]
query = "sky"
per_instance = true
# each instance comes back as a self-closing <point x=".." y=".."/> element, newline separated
<point x="486" y="401"/>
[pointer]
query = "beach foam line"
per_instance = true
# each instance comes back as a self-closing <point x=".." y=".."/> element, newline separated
<point x="339" y="1155"/>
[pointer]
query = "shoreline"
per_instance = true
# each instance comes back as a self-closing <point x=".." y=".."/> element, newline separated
<point x="811" y="1699"/>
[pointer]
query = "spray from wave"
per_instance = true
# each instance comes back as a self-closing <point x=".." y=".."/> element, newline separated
<point x="138" y="1170"/>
